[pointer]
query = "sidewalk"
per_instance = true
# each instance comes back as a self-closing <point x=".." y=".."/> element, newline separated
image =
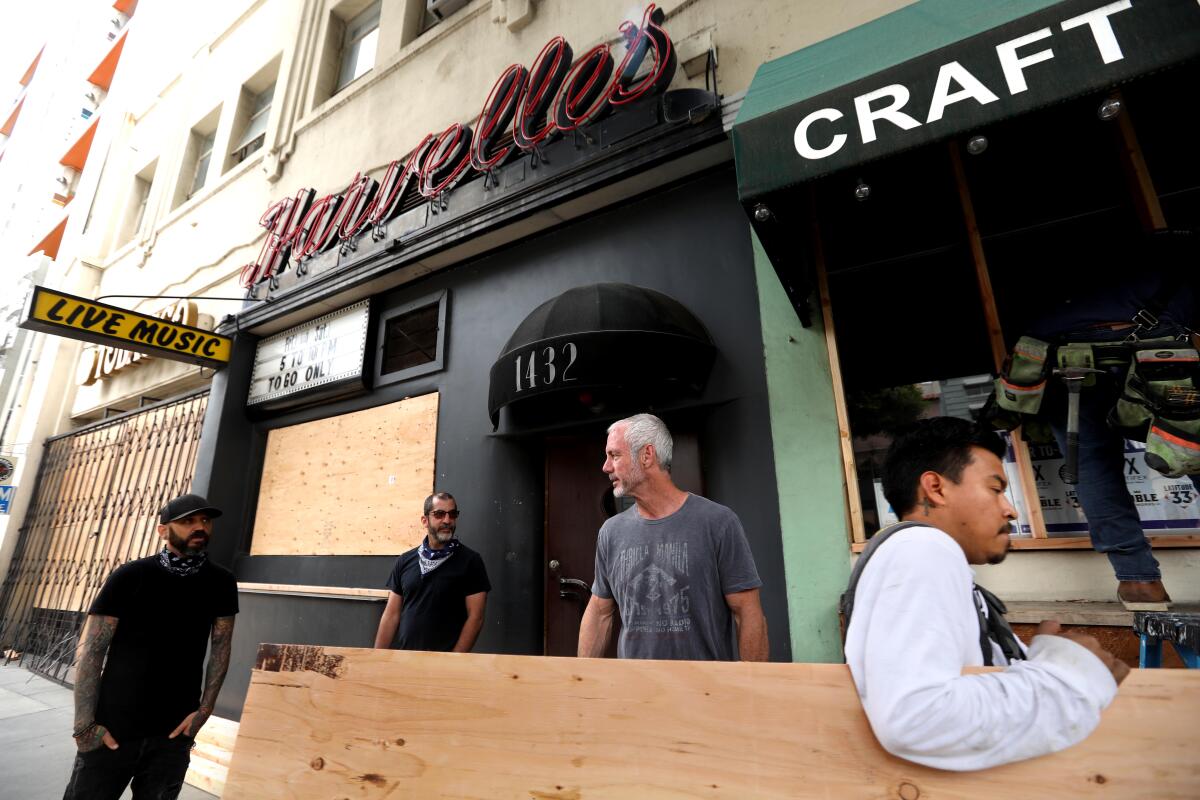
<point x="36" y="750"/>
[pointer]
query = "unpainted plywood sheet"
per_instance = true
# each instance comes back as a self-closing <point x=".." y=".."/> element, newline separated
<point x="348" y="485"/>
<point x="349" y="722"/>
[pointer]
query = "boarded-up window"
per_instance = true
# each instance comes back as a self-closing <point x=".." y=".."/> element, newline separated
<point x="348" y="485"/>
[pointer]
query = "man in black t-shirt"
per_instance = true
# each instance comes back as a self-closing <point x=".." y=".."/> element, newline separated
<point x="137" y="714"/>
<point x="438" y="589"/>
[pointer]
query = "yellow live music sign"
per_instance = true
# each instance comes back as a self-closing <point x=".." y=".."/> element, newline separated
<point x="79" y="318"/>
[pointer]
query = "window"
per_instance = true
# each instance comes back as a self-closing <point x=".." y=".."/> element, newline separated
<point x="139" y="201"/>
<point x="204" y="146"/>
<point x="255" y="133"/>
<point x="1029" y="251"/>
<point x="437" y="10"/>
<point x="197" y="157"/>
<point x="359" y="42"/>
<point x="412" y="339"/>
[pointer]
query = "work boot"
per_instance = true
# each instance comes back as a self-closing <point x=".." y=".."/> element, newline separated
<point x="1143" y="595"/>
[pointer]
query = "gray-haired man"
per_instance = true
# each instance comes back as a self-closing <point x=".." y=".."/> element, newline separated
<point x="676" y="565"/>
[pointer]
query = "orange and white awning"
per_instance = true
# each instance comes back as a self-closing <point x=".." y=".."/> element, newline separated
<point x="102" y="75"/>
<point x="51" y="241"/>
<point x="76" y="157"/>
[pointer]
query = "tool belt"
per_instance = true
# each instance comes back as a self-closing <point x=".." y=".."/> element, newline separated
<point x="1160" y="405"/>
<point x="1159" y="402"/>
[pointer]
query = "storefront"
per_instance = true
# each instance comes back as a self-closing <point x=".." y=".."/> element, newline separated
<point x="478" y="341"/>
<point x="925" y="191"/>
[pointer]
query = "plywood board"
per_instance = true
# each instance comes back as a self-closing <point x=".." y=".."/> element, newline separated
<point x="209" y="766"/>
<point x="348" y="485"/>
<point x="349" y="722"/>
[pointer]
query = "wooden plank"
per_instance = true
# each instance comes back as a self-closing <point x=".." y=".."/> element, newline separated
<point x="219" y="732"/>
<point x="987" y="296"/>
<point x="1141" y="186"/>
<point x="339" y="592"/>
<point x="1157" y="541"/>
<point x="350" y="722"/>
<point x="1070" y="613"/>
<point x="379" y="462"/>
<point x="212" y="755"/>
<point x="206" y="776"/>
<point x="845" y="435"/>
<point x="1081" y="612"/>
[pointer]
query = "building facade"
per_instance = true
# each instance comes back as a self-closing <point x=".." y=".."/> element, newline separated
<point x="451" y="242"/>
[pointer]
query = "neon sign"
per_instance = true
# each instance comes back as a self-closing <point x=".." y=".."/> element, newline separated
<point x="556" y="94"/>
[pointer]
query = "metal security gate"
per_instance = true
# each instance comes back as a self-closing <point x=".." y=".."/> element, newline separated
<point x="97" y="496"/>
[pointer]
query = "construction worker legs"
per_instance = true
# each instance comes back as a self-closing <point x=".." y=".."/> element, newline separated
<point x="1113" y="521"/>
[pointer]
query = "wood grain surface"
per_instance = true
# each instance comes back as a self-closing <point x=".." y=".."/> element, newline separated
<point x="335" y="723"/>
<point x="348" y="485"/>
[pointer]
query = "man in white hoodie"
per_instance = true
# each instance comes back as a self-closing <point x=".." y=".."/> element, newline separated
<point x="917" y="619"/>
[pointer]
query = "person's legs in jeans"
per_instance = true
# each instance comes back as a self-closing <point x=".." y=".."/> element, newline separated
<point x="101" y="774"/>
<point x="161" y="769"/>
<point x="1113" y="521"/>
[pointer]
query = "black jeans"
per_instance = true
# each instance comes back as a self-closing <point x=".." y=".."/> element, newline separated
<point x="156" y="765"/>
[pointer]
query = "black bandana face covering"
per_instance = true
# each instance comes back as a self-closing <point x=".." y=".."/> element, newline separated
<point x="432" y="559"/>
<point x="182" y="566"/>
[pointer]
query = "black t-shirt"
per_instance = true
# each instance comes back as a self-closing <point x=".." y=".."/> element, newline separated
<point x="155" y="669"/>
<point x="435" y="607"/>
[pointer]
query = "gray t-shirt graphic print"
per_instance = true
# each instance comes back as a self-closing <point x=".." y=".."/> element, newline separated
<point x="669" y="578"/>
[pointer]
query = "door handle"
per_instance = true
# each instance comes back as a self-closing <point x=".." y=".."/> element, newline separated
<point x="573" y="583"/>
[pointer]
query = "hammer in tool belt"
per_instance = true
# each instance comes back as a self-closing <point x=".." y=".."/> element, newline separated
<point x="1076" y="370"/>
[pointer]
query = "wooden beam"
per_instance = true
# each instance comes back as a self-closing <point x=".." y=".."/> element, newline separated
<point x="297" y="590"/>
<point x="1133" y="161"/>
<point x="1157" y="541"/>
<point x="845" y="435"/>
<point x="1033" y="505"/>
<point x="351" y="722"/>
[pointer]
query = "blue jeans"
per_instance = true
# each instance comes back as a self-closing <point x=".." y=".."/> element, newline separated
<point x="156" y="765"/>
<point x="1113" y="521"/>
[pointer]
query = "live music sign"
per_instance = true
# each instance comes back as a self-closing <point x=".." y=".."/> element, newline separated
<point x="558" y="93"/>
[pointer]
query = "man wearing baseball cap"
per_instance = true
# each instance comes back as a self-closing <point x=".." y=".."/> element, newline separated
<point x="137" y="714"/>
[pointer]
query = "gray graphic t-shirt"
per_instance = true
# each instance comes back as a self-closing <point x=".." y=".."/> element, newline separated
<point x="669" y="578"/>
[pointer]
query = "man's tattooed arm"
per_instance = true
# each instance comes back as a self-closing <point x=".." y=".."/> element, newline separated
<point x="214" y="676"/>
<point x="89" y="662"/>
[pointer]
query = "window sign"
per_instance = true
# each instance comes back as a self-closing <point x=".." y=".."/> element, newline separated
<point x="326" y="353"/>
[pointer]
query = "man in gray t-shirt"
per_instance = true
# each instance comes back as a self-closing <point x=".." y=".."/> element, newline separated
<point x="676" y="566"/>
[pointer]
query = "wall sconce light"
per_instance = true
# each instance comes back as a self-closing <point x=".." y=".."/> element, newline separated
<point x="862" y="191"/>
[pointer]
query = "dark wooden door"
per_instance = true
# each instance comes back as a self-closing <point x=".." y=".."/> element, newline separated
<point x="578" y="501"/>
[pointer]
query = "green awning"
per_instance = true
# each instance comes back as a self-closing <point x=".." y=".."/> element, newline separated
<point x="904" y="60"/>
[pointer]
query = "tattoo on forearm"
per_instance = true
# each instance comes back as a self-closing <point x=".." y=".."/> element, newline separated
<point x="218" y="665"/>
<point x="89" y="663"/>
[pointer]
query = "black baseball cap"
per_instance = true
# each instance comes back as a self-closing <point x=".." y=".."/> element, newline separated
<point x="185" y="505"/>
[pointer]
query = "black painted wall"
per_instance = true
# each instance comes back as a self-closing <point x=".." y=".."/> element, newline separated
<point x="690" y="241"/>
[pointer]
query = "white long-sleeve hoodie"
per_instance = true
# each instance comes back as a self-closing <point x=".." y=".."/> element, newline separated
<point x="913" y="629"/>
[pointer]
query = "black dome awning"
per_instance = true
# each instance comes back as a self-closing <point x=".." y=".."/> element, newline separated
<point x="605" y="340"/>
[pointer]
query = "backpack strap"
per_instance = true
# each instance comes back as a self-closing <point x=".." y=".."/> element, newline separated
<point x="993" y="627"/>
<point x="846" y="603"/>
